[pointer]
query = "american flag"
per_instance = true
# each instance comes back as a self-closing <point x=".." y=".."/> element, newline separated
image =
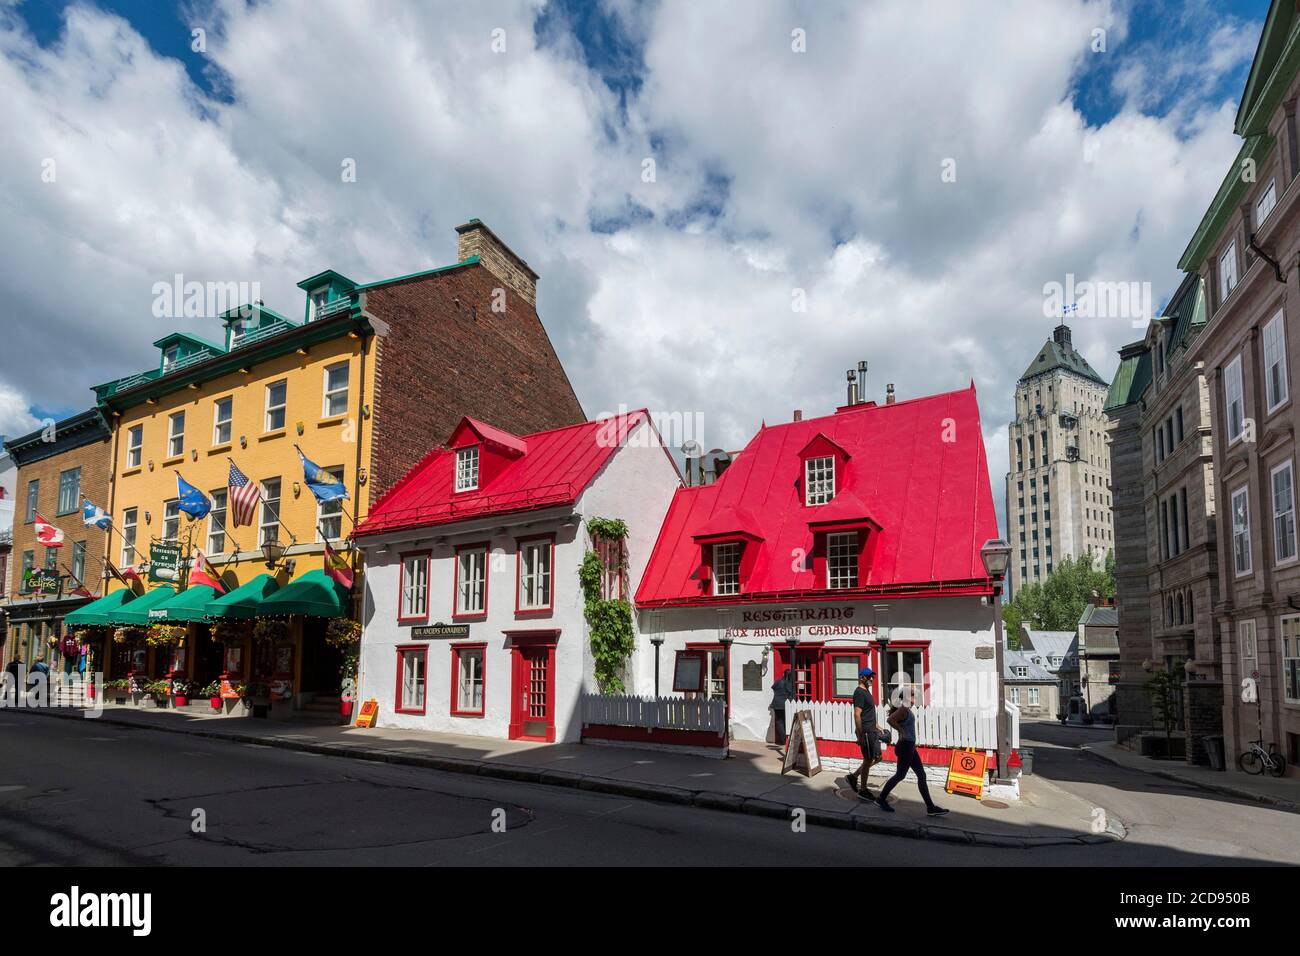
<point x="244" y="496"/>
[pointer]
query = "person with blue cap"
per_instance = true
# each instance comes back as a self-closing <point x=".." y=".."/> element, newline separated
<point x="864" y="722"/>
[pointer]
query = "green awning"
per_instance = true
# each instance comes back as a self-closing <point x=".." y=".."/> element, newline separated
<point x="187" y="605"/>
<point x="99" y="613"/>
<point x="136" y="613"/>
<point x="245" y="600"/>
<point x="313" y="595"/>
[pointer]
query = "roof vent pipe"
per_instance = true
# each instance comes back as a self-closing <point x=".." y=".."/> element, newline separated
<point x="889" y="394"/>
<point x="798" y="414"/>
<point x="853" y="387"/>
<point x="862" y="381"/>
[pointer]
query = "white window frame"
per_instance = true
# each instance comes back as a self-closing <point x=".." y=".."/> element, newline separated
<point x="171" y="355"/>
<point x="218" y="423"/>
<point x="314" y="307"/>
<point x="726" y="568"/>
<point x="467" y="468"/>
<point x="1289" y="648"/>
<point x="535" y="574"/>
<point x="1241" y="542"/>
<point x="175" y="436"/>
<point x="330" y="394"/>
<point x="1284" y="528"/>
<point x="415" y="587"/>
<point x="236" y="331"/>
<point x="819" y="480"/>
<point x="171" y="527"/>
<point x="268" y="525"/>
<point x="330" y="511"/>
<point x="130" y="523"/>
<point x="271" y="409"/>
<point x="471" y="581"/>
<point x="1228" y="271"/>
<point x="841" y="545"/>
<point x="1015" y="696"/>
<point x="1034" y="699"/>
<point x="134" y="446"/>
<point x="1265" y="203"/>
<point x="1274" y="337"/>
<point x="1234" y="394"/>
<point x="1248" y="647"/>
<point x="217" y="520"/>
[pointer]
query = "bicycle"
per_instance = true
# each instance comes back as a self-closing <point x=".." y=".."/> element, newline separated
<point x="1257" y="759"/>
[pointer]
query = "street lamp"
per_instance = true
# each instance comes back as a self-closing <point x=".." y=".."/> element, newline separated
<point x="996" y="555"/>
<point x="274" y="551"/>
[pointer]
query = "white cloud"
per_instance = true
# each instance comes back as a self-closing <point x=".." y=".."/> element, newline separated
<point x="776" y="171"/>
<point x="15" y="413"/>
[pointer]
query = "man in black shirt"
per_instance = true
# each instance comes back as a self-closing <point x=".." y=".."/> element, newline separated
<point x="864" y="721"/>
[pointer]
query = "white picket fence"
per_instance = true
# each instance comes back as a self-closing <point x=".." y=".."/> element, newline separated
<point x="656" y="713"/>
<point x="935" y="726"/>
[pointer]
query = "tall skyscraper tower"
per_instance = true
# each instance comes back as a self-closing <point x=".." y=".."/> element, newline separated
<point x="1058" y="488"/>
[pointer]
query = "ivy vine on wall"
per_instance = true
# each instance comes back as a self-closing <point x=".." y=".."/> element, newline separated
<point x="609" y="619"/>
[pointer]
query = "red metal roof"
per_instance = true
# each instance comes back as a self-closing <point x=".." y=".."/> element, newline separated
<point x="930" y="497"/>
<point x="553" y="469"/>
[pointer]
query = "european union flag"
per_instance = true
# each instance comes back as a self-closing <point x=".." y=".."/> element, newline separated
<point x="190" y="500"/>
<point x="322" y="484"/>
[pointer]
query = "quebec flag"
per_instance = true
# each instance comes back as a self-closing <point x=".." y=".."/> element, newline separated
<point x="93" y="516"/>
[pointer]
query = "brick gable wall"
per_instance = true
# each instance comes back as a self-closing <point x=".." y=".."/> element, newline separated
<point x="439" y="361"/>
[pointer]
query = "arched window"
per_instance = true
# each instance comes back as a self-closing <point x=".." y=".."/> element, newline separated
<point x="1179" y="619"/>
<point x="1169" y="611"/>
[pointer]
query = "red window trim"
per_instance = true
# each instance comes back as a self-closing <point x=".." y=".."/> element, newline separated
<point x="549" y="608"/>
<point x="401" y="586"/>
<point x="486" y="548"/>
<point x="832" y="651"/>
<point x="402" y="650"/>
<point x="456" y="710"/>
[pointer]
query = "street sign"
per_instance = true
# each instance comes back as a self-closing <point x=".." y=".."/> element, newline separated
<point x="369" y="710"/>
<point x="165" y="563"/>
<point x="966" y="772"/>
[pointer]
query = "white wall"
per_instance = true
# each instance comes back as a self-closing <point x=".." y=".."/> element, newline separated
<point x="636" y="485"/>
<point x="954" y="628"/>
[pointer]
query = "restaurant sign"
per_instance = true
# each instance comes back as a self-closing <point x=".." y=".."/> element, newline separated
<point x="426" y="632"/>
<point x="40" y="580"/>
<point x="165" y="563"/>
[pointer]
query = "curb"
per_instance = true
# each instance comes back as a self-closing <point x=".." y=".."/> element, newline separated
<point x="1225" y="790"/>
<point x="859" y="818"/>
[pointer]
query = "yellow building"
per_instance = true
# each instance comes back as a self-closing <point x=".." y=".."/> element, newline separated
<point x="269" y="386"/>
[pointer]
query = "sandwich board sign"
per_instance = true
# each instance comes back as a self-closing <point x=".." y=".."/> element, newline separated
<point x="966" y="772"/>
<point x="801" y="747"/>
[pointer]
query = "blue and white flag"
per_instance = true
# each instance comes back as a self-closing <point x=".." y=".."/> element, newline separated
<point x="93" y="516"/>
<point x="322" y="484"/>
<point x="192" y="501"/>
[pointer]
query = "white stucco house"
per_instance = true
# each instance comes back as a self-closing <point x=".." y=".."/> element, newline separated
<point x="473" y="619"/>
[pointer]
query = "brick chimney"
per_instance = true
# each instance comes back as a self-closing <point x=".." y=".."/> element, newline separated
<point x="476" y="239"/>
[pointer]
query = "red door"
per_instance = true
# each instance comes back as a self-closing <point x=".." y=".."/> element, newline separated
<point x="532" y="688"/>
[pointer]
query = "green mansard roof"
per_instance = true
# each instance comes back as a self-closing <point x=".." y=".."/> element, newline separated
<point x="1058" y="352"/>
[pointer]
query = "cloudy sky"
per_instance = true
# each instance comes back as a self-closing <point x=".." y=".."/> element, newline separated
<point x="914" y="171"/>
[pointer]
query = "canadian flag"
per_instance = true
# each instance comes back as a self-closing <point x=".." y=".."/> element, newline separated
<point x="47" y="534"/>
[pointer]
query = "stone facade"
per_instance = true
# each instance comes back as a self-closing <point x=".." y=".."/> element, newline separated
<point x="1058" y="486"/>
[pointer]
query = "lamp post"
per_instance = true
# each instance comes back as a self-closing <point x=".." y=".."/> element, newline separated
<point x="996" y="555"/>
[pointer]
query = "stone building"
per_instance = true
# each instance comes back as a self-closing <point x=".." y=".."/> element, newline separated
<point x="1058" y="488"/>
<point x="1244" y="251"/>
<point x="1167" y="617"/>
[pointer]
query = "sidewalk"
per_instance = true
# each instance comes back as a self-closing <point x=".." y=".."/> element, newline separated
<point x="749" y="781"/>
<point x="1283" y="792"/>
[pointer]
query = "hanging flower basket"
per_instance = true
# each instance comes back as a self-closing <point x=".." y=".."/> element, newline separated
<point x="229" y="632"/>
<point x="342" y="632"/>
<point x="270" y="629"/>
<point x="82" y="634"/>
<point x="125" y="635"/>
<point x="164" y="635"/>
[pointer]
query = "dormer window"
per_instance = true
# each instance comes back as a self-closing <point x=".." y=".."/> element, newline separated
<point x="819" y="480"/>
<point x="238" y="330"/>
<point x="842" y="560"/>
<point x="726" y="568"/>
<point x="170" y="355"/>
<point x="467" y="468"/>
<point x="318" y="298"/>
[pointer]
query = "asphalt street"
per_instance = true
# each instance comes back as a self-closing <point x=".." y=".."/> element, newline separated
<point x="81" y="792"/>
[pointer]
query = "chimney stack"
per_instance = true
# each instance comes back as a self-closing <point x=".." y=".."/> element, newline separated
<point x="798" y="414"/>
<point x="476" y="239"/>
<point x="889" y="394"/>
<point x="853" y="387"/>
<point x="862" y="381"/>
<point x="1061" y="336"/>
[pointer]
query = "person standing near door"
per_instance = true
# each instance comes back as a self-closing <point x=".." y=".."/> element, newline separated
<point x="864" y="722"/>
<point x="782" y="691"/>
<point x="904" y="721"/>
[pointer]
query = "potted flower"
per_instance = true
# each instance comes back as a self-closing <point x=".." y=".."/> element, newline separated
<point x="228" y="632"/>
<point x="164" y="635"/>
<point x="348" y="673"/>
<point x="118" y="689"/>
<point x="180" y="692"/>
<point x="270" y="629"/>
<point x="159" y="691"/>
<point x="213" y="693"/>
<point x="342" y="632"/>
